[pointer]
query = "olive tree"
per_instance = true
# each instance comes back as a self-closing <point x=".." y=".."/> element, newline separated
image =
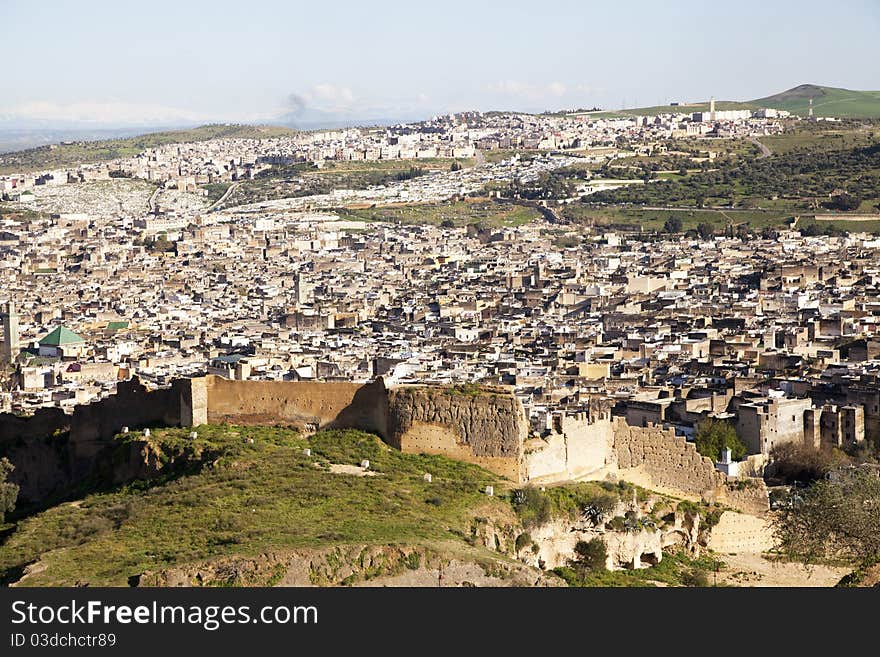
<point x="835" y="517"/>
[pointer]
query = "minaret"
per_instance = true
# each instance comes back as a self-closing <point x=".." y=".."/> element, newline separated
<point x="10" y="334"/>
<point x="811" y="108"/>
<point x="712" y="109"/>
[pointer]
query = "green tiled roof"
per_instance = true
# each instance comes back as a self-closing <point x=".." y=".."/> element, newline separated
<point x="117" y="326"/>
<point x="59" y="337"/>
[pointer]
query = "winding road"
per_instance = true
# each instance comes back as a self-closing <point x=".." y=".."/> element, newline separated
<point x="765" y="152"/>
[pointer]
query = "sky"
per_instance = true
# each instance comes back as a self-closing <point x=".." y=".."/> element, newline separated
<point x="161" y="62"/>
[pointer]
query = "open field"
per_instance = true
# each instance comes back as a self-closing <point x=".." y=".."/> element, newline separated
<point x="460" y="213"/>
<point x="648" y="220"/>
<point x="685" y="108"/>
<point x="804" y="136"/>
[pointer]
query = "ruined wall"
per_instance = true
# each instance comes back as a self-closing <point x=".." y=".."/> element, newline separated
<point x="651" y="457"/>
<point x="488" y="428"/>
<point x="303" y="404"/>
<point x="53" y="452"/>
<point x="658" y="459"/>
<point x="581" y="449"/>
<point x="485" y="428"/>
<point x="736" y="532"/>
<point x="668" y="460"/>
<point x="37" y="446"/>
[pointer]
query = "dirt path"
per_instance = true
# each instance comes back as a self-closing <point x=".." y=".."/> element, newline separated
<point x="749" y="569"/>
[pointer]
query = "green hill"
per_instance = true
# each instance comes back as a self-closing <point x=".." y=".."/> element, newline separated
<point x="827" y="101"/>
<point x="248" y="491"/>
<point x="686" y="108"/>
<point x="85" y="152"/>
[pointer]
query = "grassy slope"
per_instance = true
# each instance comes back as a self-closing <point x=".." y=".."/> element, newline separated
<point x="232" y="497"/>
<point x="97" y="151"/>
<point x="686" y="109"/>
<point x="827" y="101"/>
<point x="489" y="212"/>
<point x="255" y="497"/>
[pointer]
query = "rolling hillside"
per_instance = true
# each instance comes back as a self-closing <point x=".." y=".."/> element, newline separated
<point x="687" y="108"/>
<point x="827" y="101"/>
<point x="83" y="152"/>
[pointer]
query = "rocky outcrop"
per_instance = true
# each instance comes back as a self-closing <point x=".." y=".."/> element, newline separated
<point x="352" y="565"/>
<point x="640" y="545"/>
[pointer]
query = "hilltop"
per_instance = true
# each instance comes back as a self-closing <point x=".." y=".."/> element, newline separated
<point x="257" y="506"/>
<point x="827" y="101"/>
<point x="85" y="152"/>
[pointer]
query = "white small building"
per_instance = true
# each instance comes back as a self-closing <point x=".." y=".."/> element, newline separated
<point x="725" y="465"/>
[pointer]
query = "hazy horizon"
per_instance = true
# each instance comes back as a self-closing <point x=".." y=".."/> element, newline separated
<point x="98" y="64"/>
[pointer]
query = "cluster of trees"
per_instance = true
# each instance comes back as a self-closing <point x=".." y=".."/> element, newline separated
<point x="8" y="491"/>
<point x="674" y="224"/>
<point x="838" y="517"/>
<point x="814" y="230"/>
<point x="548" y="185"/>
<point x="844" y="202"/>
<point x="812" y="174"/>
<point x="714" y="435"/>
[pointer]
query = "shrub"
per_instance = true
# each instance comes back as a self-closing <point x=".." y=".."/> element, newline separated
<point x="8" y="491"/>
<point x="523" y="541"/>
<point x="694" y="577"/>
<point x="591" y="555"/>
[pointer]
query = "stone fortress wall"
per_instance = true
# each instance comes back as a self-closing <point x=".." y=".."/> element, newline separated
<point x="652" y="457"/>
<point x="53" y="452"/>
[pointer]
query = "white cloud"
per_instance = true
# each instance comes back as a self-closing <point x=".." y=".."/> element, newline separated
<point x="537" y="93"/>
<point x="100" y="112"/>
<point x="328" y="94"/>
<point x="556" y="88"/>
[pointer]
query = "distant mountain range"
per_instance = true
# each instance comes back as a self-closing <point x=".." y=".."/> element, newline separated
<point x="827" y="101"/>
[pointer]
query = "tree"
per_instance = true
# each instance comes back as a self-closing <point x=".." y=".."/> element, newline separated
<point x="846" y="202"/>
<point x="834" y="517"/>
<point x="715" y="435"/>
<point x="591" y="555"/>
<point x="447" y="223"/>
<point x="798" y="462"/>
<point x="672" y="225"/>
<point x="8" y="491"/>
<point x="456" y="166"/>
<point x="705" y="230"/>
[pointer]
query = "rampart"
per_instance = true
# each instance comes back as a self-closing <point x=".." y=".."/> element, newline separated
<point x="54" y="452"/>
<point x="651" y="456"/>
<point x="486" y="428"/>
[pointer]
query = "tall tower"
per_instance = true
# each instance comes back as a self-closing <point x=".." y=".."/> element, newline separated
<point x="712" y="108"/>
<point x="10" y="334"/>
<point x="811" y="108"/>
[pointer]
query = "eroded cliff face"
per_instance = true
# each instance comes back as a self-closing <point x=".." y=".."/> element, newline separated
<point x="483" y="427"/>
<point x="353" y="565"/>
